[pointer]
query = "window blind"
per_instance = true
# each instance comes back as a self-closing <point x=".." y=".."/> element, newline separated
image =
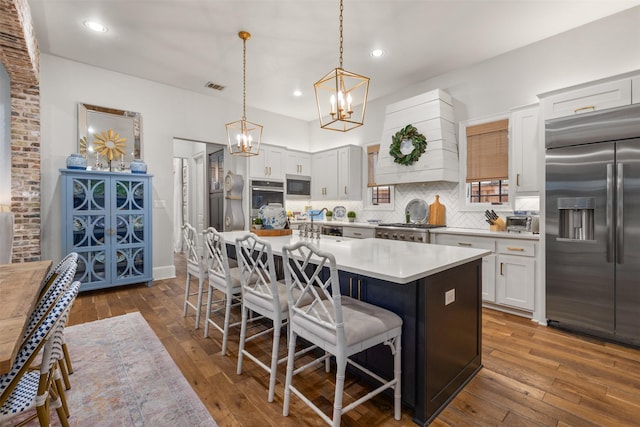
<point x="372" y="159"/>
<point x="488" y="151"/>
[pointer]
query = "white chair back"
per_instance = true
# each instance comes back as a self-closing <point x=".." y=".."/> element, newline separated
<point x="255" y="260"/>
<point x="305" y="282"/>
<point x="216" y="259"/>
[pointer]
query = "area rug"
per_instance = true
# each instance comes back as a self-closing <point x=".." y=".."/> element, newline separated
<point x="123" y="376"/>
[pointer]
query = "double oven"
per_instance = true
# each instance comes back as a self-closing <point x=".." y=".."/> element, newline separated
<point x="265" y="193"/>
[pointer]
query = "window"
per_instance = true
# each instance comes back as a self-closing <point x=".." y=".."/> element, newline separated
<point x="379" y="196"/>
<point x="487" y="150"/>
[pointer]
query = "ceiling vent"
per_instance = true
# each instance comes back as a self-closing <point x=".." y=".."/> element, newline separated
<point x="214" y="86"/>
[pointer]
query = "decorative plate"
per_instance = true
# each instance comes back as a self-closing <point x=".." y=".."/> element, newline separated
<point x="339" y="213"/>
<point x="274" y="216"/>
<point x="418" y="211"/>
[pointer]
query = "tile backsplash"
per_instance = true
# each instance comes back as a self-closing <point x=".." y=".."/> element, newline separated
<point x="404" y="193"/>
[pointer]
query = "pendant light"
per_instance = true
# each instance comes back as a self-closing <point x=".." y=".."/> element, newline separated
<point x="341" y="96"/>
<point x="243" y="136"/>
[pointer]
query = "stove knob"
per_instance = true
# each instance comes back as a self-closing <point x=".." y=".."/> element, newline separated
<point x="394" y="236"/>
<point x="401" y="236"/>
<point x="412" y="237"/>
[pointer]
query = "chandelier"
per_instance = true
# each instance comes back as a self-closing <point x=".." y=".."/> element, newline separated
<point x="341" y="96"/>
<point x="243" y="136"/>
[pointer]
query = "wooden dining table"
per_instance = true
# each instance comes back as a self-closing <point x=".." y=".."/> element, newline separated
<point x="20" y="286"/>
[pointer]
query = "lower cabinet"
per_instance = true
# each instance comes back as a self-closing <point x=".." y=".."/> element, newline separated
<point x="381" y="293"/>
<point x="509" y="274"/>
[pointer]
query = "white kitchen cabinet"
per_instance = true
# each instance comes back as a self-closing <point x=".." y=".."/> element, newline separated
<point x="269" y="164"/>
<point x="515" y="273"/>
<point x="635" y="90"/>
<point x="337" y="174"/>
<point x="524" y="146"/>
<point x="589" y="98"/>
<point x="324" y="179"/>
<point x="350" y="173"/>
<point x="488" y="262"/>
<point x="298" y="163"/>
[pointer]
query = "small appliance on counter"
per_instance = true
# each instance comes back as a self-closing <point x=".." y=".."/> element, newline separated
<point x="529" y="224"/>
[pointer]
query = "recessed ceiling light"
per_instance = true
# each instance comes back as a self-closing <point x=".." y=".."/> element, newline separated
<point x="95" y="26"/>
<point x="297" y="93"/>
<point x="376" y="53"/>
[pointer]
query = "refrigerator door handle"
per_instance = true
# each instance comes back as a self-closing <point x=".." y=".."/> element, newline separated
<point x="620" y="214"/>
<point x="609" y="211"/>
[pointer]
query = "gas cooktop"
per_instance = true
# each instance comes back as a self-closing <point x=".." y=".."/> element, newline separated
<point x="405" y="225"/>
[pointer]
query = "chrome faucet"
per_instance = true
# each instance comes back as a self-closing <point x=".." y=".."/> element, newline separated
<point x="312" y="229"/>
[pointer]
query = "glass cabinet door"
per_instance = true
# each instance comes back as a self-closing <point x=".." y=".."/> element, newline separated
<point x="130" y="233"/>
<point x="89" y="218"/>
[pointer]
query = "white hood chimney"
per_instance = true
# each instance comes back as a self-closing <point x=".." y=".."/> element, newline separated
<point x="432" y="114"/>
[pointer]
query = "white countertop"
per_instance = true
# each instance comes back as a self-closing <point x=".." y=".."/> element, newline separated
<point x="333" y="223"/>
<point x="391" y="260"/>
<point x="483" y="233"/>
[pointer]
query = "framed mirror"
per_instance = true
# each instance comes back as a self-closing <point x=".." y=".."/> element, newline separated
<point x="104" y="130"/>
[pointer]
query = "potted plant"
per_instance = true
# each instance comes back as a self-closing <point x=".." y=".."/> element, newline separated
<point x="329" y="215"/>
<point x="257" y="223"/>
<point x="351" y="215"/>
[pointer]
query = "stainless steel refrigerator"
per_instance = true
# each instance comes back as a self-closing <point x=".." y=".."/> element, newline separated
<point x="593" y="223"/>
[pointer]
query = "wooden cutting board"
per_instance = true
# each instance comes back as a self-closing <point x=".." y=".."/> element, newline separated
<point x="436" y="212"/>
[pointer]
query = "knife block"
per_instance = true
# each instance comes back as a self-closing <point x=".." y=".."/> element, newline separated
<point x="498" y="225"/>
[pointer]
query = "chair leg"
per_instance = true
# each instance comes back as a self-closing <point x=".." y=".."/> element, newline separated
<point x="62" y="366"/>
<point x="243" y="332"/>
<point x="67" y="358"/>
<point x="287" y="384"/>
<point x="397" y="370"/>
<point x="186" y="295"/>
<point x="57" y="383"/>
<point x="228" y="299"/>
<point x="208" y="312"/>
<point x="199" y="306"/>
<point x="275" y="346"/>
<point x="341" y="366"/>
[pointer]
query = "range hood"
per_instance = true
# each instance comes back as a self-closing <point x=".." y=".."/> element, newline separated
<point x="432" y="114"/>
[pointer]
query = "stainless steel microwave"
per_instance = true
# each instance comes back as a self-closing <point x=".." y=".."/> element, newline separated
<point x="298" y="187"/>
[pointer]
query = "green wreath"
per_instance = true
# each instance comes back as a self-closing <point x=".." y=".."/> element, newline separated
<point x="417" y="139"/>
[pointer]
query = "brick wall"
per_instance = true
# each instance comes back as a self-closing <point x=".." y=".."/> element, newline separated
<point x="20" y="56"/>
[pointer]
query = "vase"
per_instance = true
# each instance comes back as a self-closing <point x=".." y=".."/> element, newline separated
<point x="76" y="161"/>
<point x="138" y="166"/>
<point x="273" y="216"/>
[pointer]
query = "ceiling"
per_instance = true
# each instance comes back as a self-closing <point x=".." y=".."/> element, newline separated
<point x="187" y="43"/>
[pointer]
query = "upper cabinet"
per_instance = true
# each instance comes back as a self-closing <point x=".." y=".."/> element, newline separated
<point x="324" y="181"/>
<point x="350" y="173"/>
<point x="586" y="99"/>
<point x="269" y="164"/>
<point x="337" y="174"/>
<point x="525" y="145"/>
<point x="298" y="163"/>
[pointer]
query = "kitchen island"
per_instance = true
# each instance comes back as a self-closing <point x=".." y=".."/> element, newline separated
<point x="437" y="292"/>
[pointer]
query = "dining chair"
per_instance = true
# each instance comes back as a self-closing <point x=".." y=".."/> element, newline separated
<point x="340" y="325"/>
<point x="23" y="389"/>
<point x="195" y="268"/>
<point x="223" y="278"/>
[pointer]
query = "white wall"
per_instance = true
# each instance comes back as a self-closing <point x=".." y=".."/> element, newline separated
<point x="167" y="112"/>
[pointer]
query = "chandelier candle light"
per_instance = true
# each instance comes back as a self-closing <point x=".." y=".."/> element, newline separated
<point x="243" y="136"/>
<point x="337" y="94"/>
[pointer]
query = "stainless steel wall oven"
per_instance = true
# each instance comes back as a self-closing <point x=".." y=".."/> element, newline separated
<point x="264" y="193"/>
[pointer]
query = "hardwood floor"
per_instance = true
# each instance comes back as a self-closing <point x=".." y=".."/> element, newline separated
<point x="532" y="375"/>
